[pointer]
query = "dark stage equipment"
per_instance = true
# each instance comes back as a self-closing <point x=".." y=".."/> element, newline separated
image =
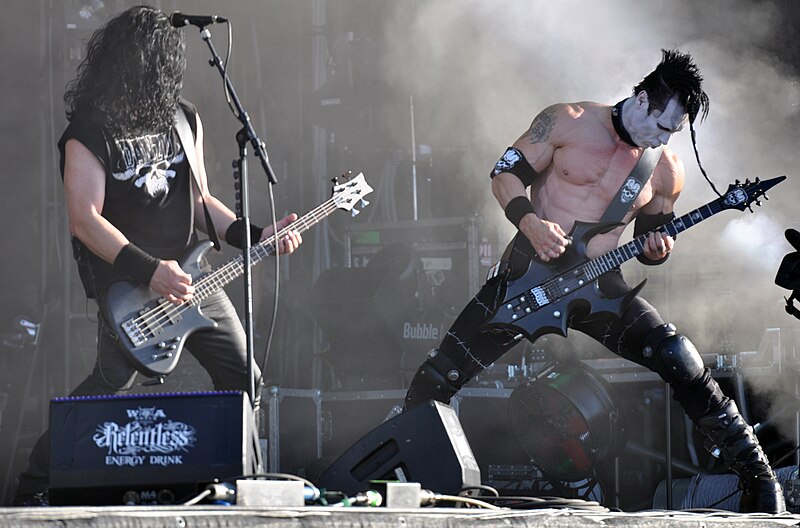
<point x="148" y="449"/>
<point x="568" y="421"/>
<point x="425" y="445"/>
<point x="404" y="284"/>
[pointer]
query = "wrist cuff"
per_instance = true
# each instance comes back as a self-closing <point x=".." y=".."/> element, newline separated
<point x="136" y="263"/>
<point x="234" y="235"/>
<point x="517" y="208"/>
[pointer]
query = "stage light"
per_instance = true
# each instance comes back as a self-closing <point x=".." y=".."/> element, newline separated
<point x="89" y="9"/>
<point x="24" y="332"/>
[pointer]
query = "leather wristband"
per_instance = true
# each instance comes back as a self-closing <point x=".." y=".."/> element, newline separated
<point x="517" y="208"/>
<point x="136" y="263"/>
<point x="234" y="235"/>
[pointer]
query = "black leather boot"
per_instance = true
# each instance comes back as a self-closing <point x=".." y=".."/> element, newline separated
<point x="761" y="491"/>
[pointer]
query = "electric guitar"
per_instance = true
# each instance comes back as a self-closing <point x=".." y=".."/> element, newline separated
<point x="152" y="330"/>
<point x="539" y="302"/>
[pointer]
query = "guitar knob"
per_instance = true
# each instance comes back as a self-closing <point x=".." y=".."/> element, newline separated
<point x="162" y="345"/>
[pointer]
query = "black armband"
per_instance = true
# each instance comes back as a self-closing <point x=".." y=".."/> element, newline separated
<point x="234" y="235"/>
<point x="136" y="263"/>
<point x="646" y="223"/>
<point x="517" y="208"/>
<point x="515" y="163"/>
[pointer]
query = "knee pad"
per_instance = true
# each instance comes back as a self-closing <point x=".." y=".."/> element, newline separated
<point x="675" y="357"/>
<point x="437" y="379"/>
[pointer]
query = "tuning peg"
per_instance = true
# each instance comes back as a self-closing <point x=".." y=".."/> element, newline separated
<point x="364" y="203"/>
<point x="335" y="180"/>
<point x="354" y="212"/>
<point x="758" y="203"/>
<point x="765" y="196"/>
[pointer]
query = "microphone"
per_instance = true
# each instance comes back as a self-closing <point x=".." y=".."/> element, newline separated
<point x="178" y="19"/>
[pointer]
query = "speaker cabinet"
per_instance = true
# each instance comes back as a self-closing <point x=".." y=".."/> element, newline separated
<point x="148" y="449"/>
<point x="425" y="445"/>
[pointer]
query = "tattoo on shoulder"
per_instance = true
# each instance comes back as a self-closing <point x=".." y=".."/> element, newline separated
<point x="542" y="125"/>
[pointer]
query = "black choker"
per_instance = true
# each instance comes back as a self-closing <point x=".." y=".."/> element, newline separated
<point x="616" y="120"/>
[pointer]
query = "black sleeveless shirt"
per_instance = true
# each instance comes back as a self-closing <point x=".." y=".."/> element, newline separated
<point x="148" y="190"/>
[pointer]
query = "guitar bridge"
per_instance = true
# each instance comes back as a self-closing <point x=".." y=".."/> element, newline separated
<point x="134" y="332"/>
<point x="540" y="296"/>
<point x="526" y="304"/>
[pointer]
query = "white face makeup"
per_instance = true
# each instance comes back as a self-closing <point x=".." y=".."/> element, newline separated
<point x="654" y="129"/>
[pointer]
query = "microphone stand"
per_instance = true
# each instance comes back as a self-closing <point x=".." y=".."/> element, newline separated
<point x="243" y="136"/>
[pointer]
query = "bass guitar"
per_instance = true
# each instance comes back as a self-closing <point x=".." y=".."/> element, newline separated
<point x="152" y="330"/>
<point x="540" y="301"/>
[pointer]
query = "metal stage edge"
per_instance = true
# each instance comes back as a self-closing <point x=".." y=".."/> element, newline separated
<point x="313" y="517"/>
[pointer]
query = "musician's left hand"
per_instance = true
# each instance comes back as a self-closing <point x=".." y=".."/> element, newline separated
<point x="290" y="241"/>
<point x="657" y="246"/>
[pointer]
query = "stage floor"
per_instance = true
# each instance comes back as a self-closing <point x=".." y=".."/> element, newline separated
<point x="314" y="517"/>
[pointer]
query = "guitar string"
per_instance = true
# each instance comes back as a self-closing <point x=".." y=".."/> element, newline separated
<point x="166" y="307"/>
<point x="211" y="283"/>
<point x="596" y="267"/>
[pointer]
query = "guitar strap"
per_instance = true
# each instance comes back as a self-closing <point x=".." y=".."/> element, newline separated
<point x="633" y="185"/>
<point x="187" y="140"/>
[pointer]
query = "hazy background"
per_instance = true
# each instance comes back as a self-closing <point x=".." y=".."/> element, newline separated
<point x="331" y="84"/>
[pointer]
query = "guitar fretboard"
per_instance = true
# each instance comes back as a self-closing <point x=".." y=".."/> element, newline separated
<point x="558" y="286"/>
<point x="615" y="258"/>
<point x="225" y="274"/>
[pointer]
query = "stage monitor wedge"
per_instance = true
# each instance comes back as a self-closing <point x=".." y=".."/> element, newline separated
<point x="425" y="445"/>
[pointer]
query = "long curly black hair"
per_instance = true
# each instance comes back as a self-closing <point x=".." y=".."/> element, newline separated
<point x="132" y="73"/>
<point x="676" y="74"/>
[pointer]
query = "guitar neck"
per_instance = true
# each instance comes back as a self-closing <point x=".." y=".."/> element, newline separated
<point x="230" y="271"/>
<point x="615" y="258"/>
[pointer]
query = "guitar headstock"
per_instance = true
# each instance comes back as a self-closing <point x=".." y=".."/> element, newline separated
<point x="741" y="195"/>
<point x="346" y="195"/>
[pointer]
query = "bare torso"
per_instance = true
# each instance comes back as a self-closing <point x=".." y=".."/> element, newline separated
<point x="584" y="163"/>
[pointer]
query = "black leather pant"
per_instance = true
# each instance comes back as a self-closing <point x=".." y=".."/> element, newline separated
<point x="465" y="351"/>
<point x="639" y="335"/>
<point x="221" y="351"/>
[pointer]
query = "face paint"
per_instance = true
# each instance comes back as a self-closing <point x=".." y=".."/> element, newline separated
<point x="656" y="128"/>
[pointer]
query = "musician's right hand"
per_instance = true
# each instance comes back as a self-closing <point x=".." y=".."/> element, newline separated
<point x="547" y="238"/>
<point x="171" y="282"/>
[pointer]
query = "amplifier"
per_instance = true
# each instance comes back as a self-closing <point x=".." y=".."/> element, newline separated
<point x="404" y="282"/>
<point x="148" y="449"/>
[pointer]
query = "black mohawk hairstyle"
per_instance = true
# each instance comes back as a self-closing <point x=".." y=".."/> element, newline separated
<point x="676" y="74"/>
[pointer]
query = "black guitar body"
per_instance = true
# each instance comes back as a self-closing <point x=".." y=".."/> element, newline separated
<point x="541" y="300"/>
<point x="156" y="342"/>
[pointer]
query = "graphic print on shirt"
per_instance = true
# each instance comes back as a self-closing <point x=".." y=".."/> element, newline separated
<point x="148" y="159"/>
